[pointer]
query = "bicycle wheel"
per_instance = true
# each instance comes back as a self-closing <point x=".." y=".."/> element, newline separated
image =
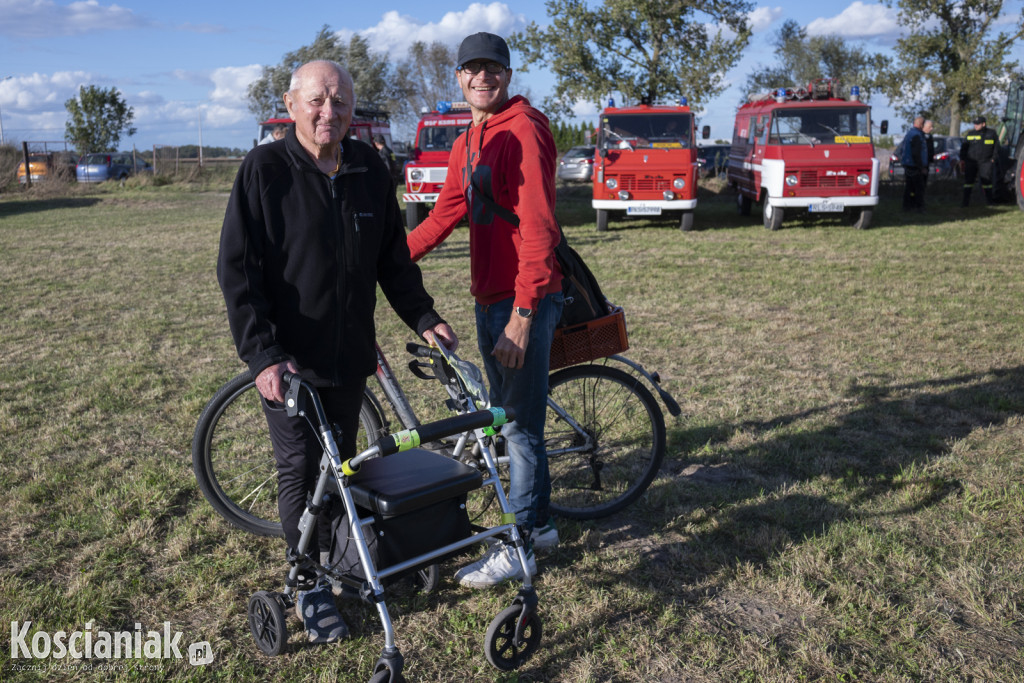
<point x="234" y="461"/>
<point x="612" y="453"/>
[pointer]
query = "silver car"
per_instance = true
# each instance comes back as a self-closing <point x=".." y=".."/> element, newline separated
<point x="96" y="168"/>
<point x="577" y="164"/>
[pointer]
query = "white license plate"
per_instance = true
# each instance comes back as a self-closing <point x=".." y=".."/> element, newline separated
<point x="643" y="210"/>
<point x="826" y="207"/>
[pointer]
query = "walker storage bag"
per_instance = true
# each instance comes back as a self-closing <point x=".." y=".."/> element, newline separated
<point x="417" y="501"/>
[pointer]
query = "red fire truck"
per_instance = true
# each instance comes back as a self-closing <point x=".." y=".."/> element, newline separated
<point x="427" y="166"/>
<point x="646" y="162"/>
<point x="805" y="149"/>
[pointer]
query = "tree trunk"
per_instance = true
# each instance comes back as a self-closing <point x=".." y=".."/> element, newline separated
<point x="954" y="118"/>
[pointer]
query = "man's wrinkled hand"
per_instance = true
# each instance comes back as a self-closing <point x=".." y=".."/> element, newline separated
<point x="269" y="382"/>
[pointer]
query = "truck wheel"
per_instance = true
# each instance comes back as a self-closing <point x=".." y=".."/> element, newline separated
<point x="863" y="219"/>
<point x="772" y="216"/>
<point x="602" y="220"/>
<point x="743" y="204"/>
<point x="415" y="212"/>
<point x="686" y="222"/>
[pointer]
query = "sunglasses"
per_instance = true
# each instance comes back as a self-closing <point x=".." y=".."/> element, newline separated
<point x="474" y="68"/>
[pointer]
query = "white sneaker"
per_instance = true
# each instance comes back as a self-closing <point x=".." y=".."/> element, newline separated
<point x="544" y="537"/>
<point x="499" y="567"/>
<point x="473" y="566"/>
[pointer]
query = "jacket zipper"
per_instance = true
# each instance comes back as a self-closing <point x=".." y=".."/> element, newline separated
<point x="339" y="222"/>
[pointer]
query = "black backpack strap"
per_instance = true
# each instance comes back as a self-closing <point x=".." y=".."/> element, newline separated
<point x="509" y="217"/>
<point x="504" y="214"/>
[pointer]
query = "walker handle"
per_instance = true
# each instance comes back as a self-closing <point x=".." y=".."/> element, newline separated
<point x="433" y="431"/>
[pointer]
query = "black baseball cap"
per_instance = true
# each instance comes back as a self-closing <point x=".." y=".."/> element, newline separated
<point x="980" y="120"/>
<point x="484" y="46"/>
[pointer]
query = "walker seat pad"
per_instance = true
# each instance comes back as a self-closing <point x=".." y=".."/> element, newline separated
<point x="407" y="481"/>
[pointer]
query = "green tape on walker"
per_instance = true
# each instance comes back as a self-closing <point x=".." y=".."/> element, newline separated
<point x="499" y="416"/>
<point x="407" y="439"/>
<point x="347" y="469"/>
<point x="508" y="518"/>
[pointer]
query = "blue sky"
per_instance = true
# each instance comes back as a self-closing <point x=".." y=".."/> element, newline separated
<point x="186" y="64"/>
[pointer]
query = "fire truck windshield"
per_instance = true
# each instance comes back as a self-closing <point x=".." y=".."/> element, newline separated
<point x="646" y="131"/>
<point x="438" y="138"/>
<point x="820" y="125"/>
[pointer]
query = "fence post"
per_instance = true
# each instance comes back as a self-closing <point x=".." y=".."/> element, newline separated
<point x="28" y="171"/>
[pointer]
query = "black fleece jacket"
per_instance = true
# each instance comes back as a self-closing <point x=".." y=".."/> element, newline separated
<point x="301" y="255"/>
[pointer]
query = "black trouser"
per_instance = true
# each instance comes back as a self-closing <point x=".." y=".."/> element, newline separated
<point x="973" y="171"/>
<point x="913" y="188"/>
<point x="298" y="450"/>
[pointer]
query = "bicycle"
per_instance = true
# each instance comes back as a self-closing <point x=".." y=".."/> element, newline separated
<point x="605" y="437"/>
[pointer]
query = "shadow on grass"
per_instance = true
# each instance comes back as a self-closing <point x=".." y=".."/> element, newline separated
<point x="872" y="451"/>
<point x="19" y="207"/>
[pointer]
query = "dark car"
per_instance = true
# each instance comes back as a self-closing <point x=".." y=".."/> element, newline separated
<point x="97" y="167"/>
<point x="577" y="164"/>
<point x="945" y="163"/>
<point x="712" y="160"/>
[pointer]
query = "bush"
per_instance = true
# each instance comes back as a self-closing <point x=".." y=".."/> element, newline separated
<point x="10" y="157"/>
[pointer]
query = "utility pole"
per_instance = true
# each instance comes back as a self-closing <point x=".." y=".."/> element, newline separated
<point x="2" y="140"/>
<point x="200" y="113"/>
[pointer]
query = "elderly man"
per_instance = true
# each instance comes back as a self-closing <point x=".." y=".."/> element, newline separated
<point x="311" y="227"/>
<point x="502" y="173"/>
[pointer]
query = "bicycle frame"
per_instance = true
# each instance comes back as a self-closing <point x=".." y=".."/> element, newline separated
<point x="396" y="397"/>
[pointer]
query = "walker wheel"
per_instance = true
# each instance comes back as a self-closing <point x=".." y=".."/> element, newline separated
<point x="428" y="579"/>
<point x="501" y="648"/>
<point x="266" y="621"/>
<point x="384" y="676"/>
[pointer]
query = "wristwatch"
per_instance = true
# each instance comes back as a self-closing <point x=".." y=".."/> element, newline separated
<point x="524" y="312"/>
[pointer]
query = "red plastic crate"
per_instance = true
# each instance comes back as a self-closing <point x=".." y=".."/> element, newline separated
<point x="591" y="340"/>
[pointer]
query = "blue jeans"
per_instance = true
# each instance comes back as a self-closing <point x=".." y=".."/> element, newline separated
<point x="524" y="390"/>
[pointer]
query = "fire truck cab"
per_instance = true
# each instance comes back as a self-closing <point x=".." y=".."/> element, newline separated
<point x="646" y="162"/>
<point x="805" y="149"/>
<point x="427" y="167"/>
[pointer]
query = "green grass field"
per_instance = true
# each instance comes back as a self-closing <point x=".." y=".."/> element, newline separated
<point x="842" y="499"/>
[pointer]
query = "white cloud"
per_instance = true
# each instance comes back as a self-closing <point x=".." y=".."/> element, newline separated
<point x="395" y="32"/>
<point x="44" y="18"/>
<point x="859" y="21"/>
<point x="41" y="93"/>
<point x="763" y="17"/>
<point x="231" y="84"/>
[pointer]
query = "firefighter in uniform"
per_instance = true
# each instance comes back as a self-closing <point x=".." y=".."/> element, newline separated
<point x="979" y="155"/>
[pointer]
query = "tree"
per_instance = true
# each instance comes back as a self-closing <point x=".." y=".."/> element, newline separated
<point x="802" y="59"/>
<point x="371" y="73"/>
<point x="647" y="50"/>
<point x="97" y="119"/>
<point x="950" y="61"/>
<point x="424" y="78"/>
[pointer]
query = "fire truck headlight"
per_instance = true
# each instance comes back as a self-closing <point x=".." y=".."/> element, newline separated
<point x="669" y="195"/>
<point x="611" y="183"/>
<point x="623" y="196"/>
<point x="863" y="178"/>
<point x="679" y="183"/>
<point x="791" y="180"/>
<point x="416" y="175"/>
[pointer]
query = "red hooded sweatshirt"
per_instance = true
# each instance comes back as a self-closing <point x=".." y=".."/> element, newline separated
<point x="511" y="156"/>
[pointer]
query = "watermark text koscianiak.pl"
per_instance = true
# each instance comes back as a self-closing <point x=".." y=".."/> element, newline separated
<point x="91" y="644"/>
